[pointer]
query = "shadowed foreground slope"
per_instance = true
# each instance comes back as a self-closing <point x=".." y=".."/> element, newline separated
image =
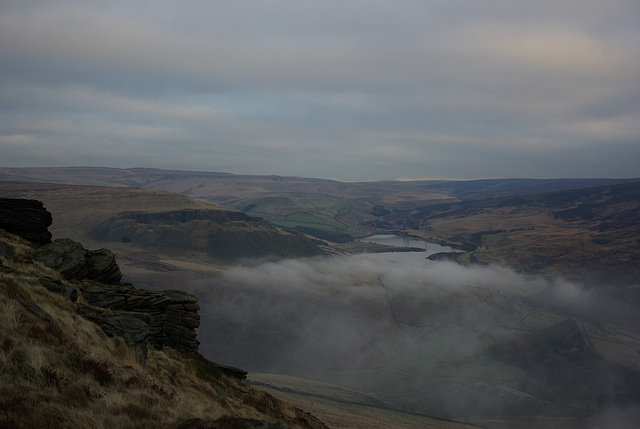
<point x="58" y="369"/>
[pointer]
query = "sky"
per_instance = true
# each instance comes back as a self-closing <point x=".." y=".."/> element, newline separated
<point x="350" y="90"/>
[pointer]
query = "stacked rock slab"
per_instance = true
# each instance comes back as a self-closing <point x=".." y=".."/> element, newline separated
<point x="172" y="315"/>
<point x="167" y="318"/>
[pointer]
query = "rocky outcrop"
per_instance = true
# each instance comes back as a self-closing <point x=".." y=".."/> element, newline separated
<point x="140" y="317"/>
<point x="66" y="256"/>
<point x="172" y="316"/>
<point x="26" y="218"/>
<point x="102" y="266"/>
<point x="75" y="262"/>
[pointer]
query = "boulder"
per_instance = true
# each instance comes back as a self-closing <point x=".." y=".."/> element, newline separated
<point x="65" y="256"/>
<point x="75" y="262"/>
<point x="102" y="266"/>
<point x="27" y="219"/>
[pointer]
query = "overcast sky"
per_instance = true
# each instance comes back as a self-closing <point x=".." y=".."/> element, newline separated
<point x="351" y="90"/>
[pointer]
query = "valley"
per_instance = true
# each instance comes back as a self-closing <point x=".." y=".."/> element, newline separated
<point x="532" y="323"/>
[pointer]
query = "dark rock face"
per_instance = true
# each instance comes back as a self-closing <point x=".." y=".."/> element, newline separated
<point x="444" y="256"/>
<point x="102" y="266"/>
<point x="75" y="262"/>
<point x="26" y="218"/>
<point x="127" y="325"/>
<point x="65" y="256"/>
<point x="172" y="316"/>
<point x="57" y="286"/>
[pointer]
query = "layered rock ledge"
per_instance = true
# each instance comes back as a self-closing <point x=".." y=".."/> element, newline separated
<point x="141" y="317"/>
<point x="172" y="315"/>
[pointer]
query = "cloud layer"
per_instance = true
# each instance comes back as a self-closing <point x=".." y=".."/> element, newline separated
<point x="433" y="336"/>
<point x="355" y="91"/>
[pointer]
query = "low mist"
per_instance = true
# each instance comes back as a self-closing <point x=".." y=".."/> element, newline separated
<point x="431" y="337"/>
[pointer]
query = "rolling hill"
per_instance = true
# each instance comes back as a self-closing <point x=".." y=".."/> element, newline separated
<point x="315" y="206"/>
<point x="159" y="227"/>
<point x="588" y="234"/>
<point x="480" y="343"/>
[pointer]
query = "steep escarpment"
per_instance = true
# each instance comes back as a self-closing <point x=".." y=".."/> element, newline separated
<point x="73" y="351"/>
<point x="222" y="234"/>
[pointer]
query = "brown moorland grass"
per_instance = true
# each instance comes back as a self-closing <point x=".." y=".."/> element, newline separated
<point x="60" y="370"/>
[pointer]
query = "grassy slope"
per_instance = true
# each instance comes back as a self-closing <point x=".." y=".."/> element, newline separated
<point x="67" y="373"/>
<point x="467" y="190"/>
<point x="589" y="234"/>
<point x="77" y="210"/>
<point x="286" y="201"/>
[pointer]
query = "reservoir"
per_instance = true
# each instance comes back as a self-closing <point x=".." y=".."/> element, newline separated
<point x="405" y="241"/>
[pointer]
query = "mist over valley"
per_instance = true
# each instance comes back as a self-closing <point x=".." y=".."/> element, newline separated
<point x="508" y="327"/>
<point x="312" y="215"/>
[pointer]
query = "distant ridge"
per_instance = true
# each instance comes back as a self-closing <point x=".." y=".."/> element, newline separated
<point x="497" y="188"/>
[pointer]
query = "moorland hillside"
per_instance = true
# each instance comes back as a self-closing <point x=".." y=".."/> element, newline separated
<point x="149" y="228"/>
<point x="327" y="209"/>
<point x="65" y="362"/>
<point x="590" y="235"/>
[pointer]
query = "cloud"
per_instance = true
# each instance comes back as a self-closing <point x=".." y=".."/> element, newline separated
<point x="414" y="332"/>
<point x="309" y="303"/>
<point x="273" y="87"/>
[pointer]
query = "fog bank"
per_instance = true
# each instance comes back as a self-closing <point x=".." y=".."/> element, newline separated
<point x="434" y="337"/>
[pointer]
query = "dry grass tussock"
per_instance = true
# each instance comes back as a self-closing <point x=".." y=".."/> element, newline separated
<point x="64" y="372"/>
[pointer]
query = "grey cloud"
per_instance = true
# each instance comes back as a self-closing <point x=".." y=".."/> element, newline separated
<point x="270" y="87"/>
<point x="359" y="320"/>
